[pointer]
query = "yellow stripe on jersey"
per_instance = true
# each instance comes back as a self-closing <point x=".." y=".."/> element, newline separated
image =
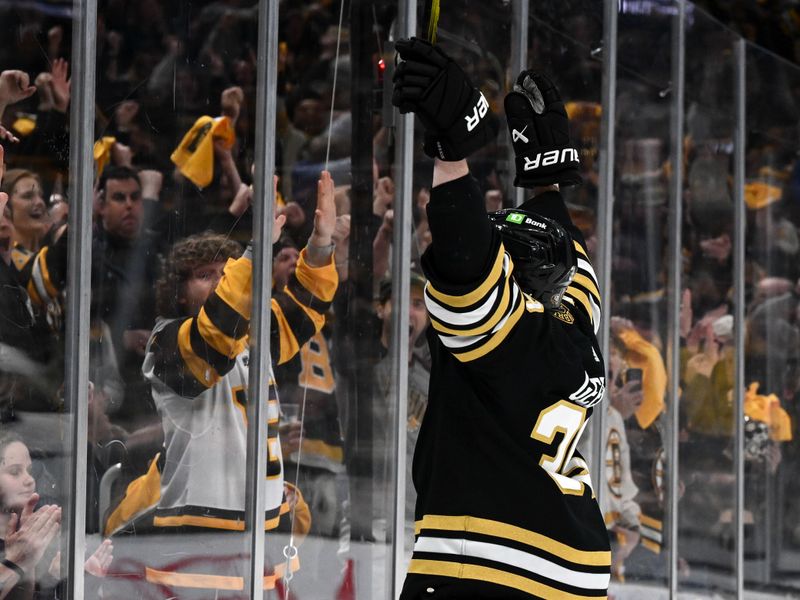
<point x="320" y="281"/>
<point x="498" y="529"/>
<point x="141" y="495"/>
<point x="202" y="371"/>
<point x="321" y="448"/>
<point x="476" y="295"/>
<point x="496" y="339"/>
<point x="288" y="342"/>
<point x="48" y="282"/>
<point x="317" y="318"/>
<point x="583" y="299"/>
<point x="215" y="338"/>
<point x="235" y="288"/>
<point x="492" y="311"/>
<point x="486" y="327"/>
<point x="481" y="573"/>
<point x="650" y="522"/>
<point x="216" y="522"/>
<point x="34" y="294"/>
<point x="588" y="284"/>
<point x="650" y="545"/>
<point x="580" y="249"/>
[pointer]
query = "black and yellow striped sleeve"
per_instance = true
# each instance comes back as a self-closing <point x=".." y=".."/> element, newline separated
<point x="584" y="292"/>
<point x="44" y="273"/>
<point x="473" y="324"/>
<point x="298" y="311"/>
<point x="192" y="354"/>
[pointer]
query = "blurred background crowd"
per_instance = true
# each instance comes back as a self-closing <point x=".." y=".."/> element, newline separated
<point x="174" y="153"/>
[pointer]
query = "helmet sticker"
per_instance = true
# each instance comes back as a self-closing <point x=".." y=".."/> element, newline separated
<point x="518" y="218"/>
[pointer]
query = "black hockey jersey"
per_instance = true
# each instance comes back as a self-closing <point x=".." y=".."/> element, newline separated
<point x="503" y="495"/>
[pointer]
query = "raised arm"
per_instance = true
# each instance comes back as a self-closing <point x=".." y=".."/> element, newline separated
<point x="193" y="353"/>
<point x="457" y="122"/>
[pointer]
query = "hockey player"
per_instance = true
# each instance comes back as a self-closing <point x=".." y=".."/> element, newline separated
<point x="505" y="507"/>
<point x="197" y="362"/>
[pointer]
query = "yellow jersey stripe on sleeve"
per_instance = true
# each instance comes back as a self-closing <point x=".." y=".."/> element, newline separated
<point x="235" y="287"/>
<point x="317" y="318"/>
<point x="588" y="284"/>
<point x="199" y="368"/>
<point x="581" y="297"/>
<point x="218" y="340"/>
<point x="288" y="342"/>
<point x="320" y="281"/>
<point x="485" y="327"/>
<point x="476" y="295"/>
<point x="496" y="338"/>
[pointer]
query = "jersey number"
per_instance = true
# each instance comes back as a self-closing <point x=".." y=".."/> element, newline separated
<point x="569" y="419"/>
<point x="239" y="395"/>
<point x="317" y="373"/>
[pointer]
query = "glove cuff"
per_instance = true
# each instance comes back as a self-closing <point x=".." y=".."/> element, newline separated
<point x="546" y="166"/>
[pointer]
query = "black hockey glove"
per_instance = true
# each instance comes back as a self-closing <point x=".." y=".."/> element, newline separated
<point x="539" y="128"/>
<point x="455" y="114"/>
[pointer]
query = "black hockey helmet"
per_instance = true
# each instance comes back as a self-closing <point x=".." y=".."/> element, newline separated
<point x="542" y="251"/>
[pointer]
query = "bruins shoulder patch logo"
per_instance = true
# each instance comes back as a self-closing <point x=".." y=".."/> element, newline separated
<point x="562" y="314"/>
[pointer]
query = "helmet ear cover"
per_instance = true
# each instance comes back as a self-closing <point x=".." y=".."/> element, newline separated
<point x="542" y="251"/>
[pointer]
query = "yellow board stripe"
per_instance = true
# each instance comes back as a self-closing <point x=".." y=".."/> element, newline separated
<point x="481" y="573"/>
<point x="496" y="339"/>
<point x="600" y="558"/>
<point x="588" y="284"/>
<point x="202" y="371"/>
<point x="583" y="299"/>
<point x="214" y="582"/>
<point x="477" y="294"/>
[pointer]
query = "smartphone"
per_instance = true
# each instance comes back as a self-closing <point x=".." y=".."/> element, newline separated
<point x="634" y="375"/>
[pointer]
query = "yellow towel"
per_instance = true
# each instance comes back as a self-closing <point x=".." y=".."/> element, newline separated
<point x="194" y="156"/>
<point x="24" y="125"/>
<point x="102" y="153"/>
<point x="759" y="194"/>
<point x="641" y="354"/>
<point x="768" y="410"/>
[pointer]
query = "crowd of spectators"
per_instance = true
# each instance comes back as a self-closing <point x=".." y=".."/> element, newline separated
<point x="174" y="157"/>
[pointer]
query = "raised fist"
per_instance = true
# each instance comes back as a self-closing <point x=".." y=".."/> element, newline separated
<point x="455" y="114"/>
<point x="539" y="128"/>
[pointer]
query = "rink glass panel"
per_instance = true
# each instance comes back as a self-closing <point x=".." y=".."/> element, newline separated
<point x="173" y="61"/>
<point x="161" y="67"/>
<point x="636" y="438"/>
<point x="771" y="517"/>
<point x="479" y="38"/>
<point x="706" y="470"/>
<point x="32" y="404"/>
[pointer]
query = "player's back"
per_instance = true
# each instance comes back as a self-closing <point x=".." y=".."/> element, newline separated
<point x="503" y="495"/>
